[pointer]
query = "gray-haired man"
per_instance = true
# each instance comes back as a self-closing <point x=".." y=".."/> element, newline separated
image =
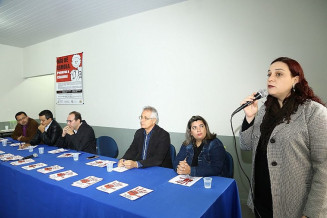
<point x="151" y="144"/>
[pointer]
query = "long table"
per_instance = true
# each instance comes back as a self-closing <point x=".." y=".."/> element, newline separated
<point x="33" y="194"/>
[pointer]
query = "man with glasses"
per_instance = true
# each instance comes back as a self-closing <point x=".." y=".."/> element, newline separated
<point x="25" y="129"/>
<point x="151" y="144"/>
<point x="48" y="131"/>
<point x="77" y="135"/>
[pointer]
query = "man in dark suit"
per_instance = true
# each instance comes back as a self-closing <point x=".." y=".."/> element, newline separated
<point x="48" y="131"/>
<point x="77" y="135"/>
<point x="151" y="144"/>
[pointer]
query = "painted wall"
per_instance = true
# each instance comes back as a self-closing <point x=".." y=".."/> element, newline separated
<point x="195" y="57"/>
<point x="18" y="93"/>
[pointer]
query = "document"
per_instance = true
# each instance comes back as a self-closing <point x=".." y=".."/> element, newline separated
<point x="112" y="186"/>
<point x="67" y="155"/>
<point x="184" y="180"/>
<point x="120" y="169"/>
<point x="9" y="157"/>
<point x="136" y="193"/>
<point x="27" y="148"/>
<point x="21" y="162"/>
<point x="56" y="151"/>
<point x="50" y="169"/>
<point x="100" y="163"/>
<point x="63" y="175"/>
<point x="86" y="182"/>
<point x="34" y="166"/>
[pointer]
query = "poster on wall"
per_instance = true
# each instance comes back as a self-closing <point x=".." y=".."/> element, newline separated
<point x="69" y="79"/>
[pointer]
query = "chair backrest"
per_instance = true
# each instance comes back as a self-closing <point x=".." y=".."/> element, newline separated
<point x="230" y="165"/>
<point x="172" y="153"/>
<point x="107" y="146"/>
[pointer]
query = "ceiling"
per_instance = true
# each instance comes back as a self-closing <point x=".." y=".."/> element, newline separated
<point x="27" y="22"/>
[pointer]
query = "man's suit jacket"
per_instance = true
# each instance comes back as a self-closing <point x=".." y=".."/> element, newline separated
<point x="158" y="152"/>
<point x="31" y="129"/>
<point x="49" y="137"/>
<point x="83" y="140"/>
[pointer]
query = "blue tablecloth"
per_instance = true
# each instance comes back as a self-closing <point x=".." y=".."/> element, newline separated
<point x="32" y="194"/>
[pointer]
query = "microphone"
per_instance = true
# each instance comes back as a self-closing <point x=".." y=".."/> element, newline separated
<point x="260" y="94"/>
<point x="30" y="156"/>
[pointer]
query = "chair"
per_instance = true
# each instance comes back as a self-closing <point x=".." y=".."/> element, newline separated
<point x="107" y="146"/>
<point x="172" y="153"/>
<point x="230" y="165"/>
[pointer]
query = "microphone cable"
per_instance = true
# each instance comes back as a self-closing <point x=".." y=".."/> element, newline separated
<point x="237" y="156"/>
<point x="262" y="94"/>
<point x="241" y="167"/>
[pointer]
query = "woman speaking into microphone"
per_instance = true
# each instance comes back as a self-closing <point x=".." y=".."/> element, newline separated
<point x="288" y="138"/>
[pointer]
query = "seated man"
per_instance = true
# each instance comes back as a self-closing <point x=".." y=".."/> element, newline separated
<point x="25" y="129"/>
<point x="150" y="146"/>
<point x="77" y="135"/>
<point x="49" y="130"/>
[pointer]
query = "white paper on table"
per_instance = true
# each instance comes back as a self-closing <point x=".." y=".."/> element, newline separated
<point x="16" y="157"/>
<point x="86" y="182"/>
<point x="34" y="166"/>
<point x="27" y="148"/>
<point x="100" y="163"/>
<point x="56" y="151"/>
<point x="120" y="169"/>
<point x="136" y="193"/>
<point x="50" y="169"/>
<point x="184" y="180"/>
<point x="62" y="175"/>
<point x="67" y="155"/>
<point x="7" y="157"/>
<point x="112" y="186"/>
<point x="15" y="144"/>
<point x="21" y="162"/>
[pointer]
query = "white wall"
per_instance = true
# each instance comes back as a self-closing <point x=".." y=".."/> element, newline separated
<point x="196" y="57"/>
<point x="18" y="94"/>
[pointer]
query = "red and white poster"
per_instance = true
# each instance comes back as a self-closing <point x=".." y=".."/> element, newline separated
<point x="69" y="79"/>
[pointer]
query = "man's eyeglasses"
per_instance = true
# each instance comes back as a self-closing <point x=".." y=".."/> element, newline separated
<point x="146" y="118"/>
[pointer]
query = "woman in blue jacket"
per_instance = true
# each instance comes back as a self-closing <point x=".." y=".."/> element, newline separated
<point x="201" y="154"/>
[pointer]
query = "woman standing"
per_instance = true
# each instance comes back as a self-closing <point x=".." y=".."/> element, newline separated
<point x="288" y="139"/>
<point x="201" y="154"/>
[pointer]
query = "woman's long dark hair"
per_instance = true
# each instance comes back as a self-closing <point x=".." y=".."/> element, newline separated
<point x="190" y="139"/>
<point x="301" y="93"/>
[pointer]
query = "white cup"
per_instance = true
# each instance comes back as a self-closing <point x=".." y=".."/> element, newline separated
<point x="41" y="150"/>
<point x="75" y="156"/>
<point x="6" y="128"/>
<point x="30" y="148"/>
<point x="110" y="166"/>
<point x="207" y="182"/>
<point x="4" y="142"/>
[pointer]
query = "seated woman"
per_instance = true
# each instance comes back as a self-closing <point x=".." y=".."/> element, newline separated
<point x="201" y="154"/>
